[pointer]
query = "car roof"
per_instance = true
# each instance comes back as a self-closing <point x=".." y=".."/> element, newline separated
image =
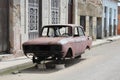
<point x="71" y="25"/>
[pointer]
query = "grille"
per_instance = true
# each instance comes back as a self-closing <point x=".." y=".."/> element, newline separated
<point x="41" y="48"/>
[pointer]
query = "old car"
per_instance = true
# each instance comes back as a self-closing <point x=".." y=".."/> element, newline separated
<point x="57" y="42"/>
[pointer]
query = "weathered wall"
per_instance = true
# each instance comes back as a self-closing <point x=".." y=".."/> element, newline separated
<point x="15" y="26"/>
<point x="90" y="8"/>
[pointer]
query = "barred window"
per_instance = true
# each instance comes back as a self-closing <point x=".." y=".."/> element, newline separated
<point x="33" y="19"/>
<point x="33" y="15"/>
<point x="55" y="7"/>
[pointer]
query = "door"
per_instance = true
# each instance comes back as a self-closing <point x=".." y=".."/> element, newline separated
<point x="70" y="11"/>
<point x="83" y="22"/>
<point x="110" y="22"/>
<point x="114" y="33"/>
<point x="99" y="27"/>
<point x="79" y="39"/>
<point x="83" y="39"/>
<point x="4" y="23"/>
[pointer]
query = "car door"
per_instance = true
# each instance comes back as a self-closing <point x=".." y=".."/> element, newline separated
<point x="77" y="42"/>
<point x="83" y="39"/>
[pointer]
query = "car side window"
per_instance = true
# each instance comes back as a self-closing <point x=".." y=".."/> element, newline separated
<point x="48" y="32"/>
<point x="81" y="33"/>
<point x="76" y="33"/>
<point x="44" y="32"/>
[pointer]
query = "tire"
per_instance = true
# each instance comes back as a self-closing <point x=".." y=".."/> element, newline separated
<point x="78" y="57"/>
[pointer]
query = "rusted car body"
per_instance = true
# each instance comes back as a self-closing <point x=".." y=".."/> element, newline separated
<point x="58" y="42"/>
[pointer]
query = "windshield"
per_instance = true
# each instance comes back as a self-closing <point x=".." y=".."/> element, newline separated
<point x="56" y="31"/>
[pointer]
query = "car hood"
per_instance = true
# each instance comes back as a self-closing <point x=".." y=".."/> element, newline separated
<point x="47" y="40"/>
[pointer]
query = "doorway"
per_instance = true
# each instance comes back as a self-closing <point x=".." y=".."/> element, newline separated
<point x="99" y="27"/>
<point x="83" y="22"/>
<point x="4" y="26"/>
<point x="70" y="12"/>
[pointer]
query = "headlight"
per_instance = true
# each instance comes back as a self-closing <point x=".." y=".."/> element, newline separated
<point x="30" y="55"/>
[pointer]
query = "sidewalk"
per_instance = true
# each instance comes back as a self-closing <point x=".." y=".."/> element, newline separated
<point x="23" y="62"/>
<point x="104" y="41"/>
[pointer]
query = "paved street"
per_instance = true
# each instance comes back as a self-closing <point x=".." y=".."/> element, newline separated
<point x="100" y="63"/>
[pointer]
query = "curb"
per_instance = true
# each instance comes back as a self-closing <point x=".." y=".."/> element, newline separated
<point x="18" y="67"/>
<point x="100" y="44"/>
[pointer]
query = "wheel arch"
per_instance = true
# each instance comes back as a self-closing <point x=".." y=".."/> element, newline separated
<point x="69" y="53"/>
<point x="87" y="47"/>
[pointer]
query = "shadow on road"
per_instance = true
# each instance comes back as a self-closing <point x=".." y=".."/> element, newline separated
<point x="51" y="69"/>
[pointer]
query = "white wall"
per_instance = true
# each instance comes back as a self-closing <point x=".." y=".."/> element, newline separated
<point x="109" y="4"/>
<point x="24" y="20"/>
<point x="63" y="11"/>
<point x="46" y="16"/>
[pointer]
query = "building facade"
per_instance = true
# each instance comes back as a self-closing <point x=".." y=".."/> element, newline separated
<point x="110" y="18"/>
<point x="90" y="16"/>
<point x="21" y="20"/>
<point x="98" y="17"/>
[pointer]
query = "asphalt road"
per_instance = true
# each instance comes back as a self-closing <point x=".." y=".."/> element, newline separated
<point x="100" y="63"/>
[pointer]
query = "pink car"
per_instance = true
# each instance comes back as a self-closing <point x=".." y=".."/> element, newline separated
<point x="58" y="42"/>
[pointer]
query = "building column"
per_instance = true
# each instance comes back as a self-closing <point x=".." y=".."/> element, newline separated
<point x="102" y="28"/>
<point x="15" y="26"/>
<point x="94" y="28"/>
<point x="87" y="26"/>
<point x="24" y="20"/>
<point x="75" y="11"/>
<point x="107" y="22"/>
<point x="63" y="11"/>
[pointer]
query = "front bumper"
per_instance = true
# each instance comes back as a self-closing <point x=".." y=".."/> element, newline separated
<point x="49" y="53"/>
